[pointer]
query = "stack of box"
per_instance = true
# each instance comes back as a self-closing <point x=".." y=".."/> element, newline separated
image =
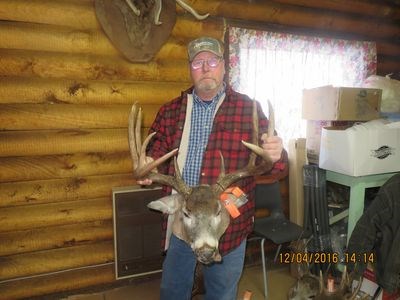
<point x="329" y="112"/>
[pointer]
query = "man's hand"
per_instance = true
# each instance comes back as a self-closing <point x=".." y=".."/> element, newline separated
<point x="273" y="146"/>
<point x="146" y="181"/>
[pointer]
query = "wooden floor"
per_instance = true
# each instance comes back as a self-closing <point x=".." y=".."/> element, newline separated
<point x="279" y="282"/>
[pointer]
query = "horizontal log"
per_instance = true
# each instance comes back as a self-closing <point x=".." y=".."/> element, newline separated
<point x="25" y="168"/>
<point x="47" y="142"/>
<point x="39" y="37"/>
<point x="54" y="214"/>
<point x="386" y="67"/>
<point x="44" y="37"/>
<point x="389" y="49"/>
<point x="66" y="281"/>
<point x="274" y="13"/>
<point x="189" y="28"/>
<point x="59" y="190"/>
<point x="28" y="264"/>
<point x="70" y="116"/>
<point x="363" y="8"/>
<point x="48" y="90"/>
<point x="32" y="240"/>
<point x="75" y="13"/>
<point x="85" y="67"/>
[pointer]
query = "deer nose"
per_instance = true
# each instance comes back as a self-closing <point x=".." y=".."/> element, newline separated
<point x="206" y="254"/>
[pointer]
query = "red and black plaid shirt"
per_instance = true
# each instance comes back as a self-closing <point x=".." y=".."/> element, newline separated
<point x="232" y="124"/>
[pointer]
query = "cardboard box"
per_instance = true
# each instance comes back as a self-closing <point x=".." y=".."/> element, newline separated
<point x="313" y="137"/>
<point x="341" y="103"/>
<point x="363" y="149"/>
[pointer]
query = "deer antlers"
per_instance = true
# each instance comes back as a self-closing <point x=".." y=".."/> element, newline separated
<point x="144" y="168"/>
<point x="225" y="180"/>
<point x="343" y="291"/>
<point x="141" y="167"/>
<point x="158" y="6"/>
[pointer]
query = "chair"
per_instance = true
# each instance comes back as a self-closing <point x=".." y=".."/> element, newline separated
<point x="275" y="227"/>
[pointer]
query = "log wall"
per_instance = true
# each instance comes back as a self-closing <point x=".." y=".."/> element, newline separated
<point x="65" y="94"/>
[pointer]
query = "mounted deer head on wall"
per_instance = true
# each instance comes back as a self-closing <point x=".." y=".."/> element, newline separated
<point x="138" y="28"/>
<point x="199" y="216"/>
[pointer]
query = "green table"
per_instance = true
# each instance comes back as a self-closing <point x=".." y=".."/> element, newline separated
<point x="357" y="192"/>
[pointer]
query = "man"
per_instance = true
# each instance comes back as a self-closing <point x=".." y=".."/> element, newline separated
<point x="208" y="118"/>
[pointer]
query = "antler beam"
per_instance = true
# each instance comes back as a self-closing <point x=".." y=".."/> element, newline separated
<point x="225" y="180"/>
<point x="182" y="4"/>
<point x="145" y="167"/>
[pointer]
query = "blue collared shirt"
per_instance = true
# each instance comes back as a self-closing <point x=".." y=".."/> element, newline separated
<point x="200" y="129"/>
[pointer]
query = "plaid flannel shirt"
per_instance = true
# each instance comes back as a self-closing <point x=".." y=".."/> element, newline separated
<point x="232" y="124"/>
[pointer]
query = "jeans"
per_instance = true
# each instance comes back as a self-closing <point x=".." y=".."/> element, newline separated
<point x="220" y="279"/>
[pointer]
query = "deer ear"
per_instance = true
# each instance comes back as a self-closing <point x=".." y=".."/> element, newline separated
<point x="167" y="205"/>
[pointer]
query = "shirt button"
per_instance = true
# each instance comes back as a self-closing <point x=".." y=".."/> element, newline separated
<point x="203" y="174"/>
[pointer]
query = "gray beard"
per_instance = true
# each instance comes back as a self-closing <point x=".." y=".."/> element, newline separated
<point x="207" y="86"/>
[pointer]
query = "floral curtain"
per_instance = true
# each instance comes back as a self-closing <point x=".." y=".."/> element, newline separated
<point x="278" y="66"/>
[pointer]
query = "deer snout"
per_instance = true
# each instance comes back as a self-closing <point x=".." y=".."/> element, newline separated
<point x="207" y="254"/>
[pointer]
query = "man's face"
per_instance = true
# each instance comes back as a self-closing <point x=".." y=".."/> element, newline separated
<point x="207" y="78"/>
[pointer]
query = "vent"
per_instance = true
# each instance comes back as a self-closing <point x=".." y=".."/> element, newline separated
<point x="137" y="232"/>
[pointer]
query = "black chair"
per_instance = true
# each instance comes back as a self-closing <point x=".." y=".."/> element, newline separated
<point x="275" y="227"/>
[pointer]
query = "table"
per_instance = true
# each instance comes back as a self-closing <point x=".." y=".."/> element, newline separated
<point x="357" y="192"/>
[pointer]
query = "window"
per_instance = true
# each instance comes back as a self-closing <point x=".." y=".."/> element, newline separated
<point x="278" y="66"/>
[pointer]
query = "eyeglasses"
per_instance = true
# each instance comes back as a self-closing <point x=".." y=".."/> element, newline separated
<point x="212" y="62"/>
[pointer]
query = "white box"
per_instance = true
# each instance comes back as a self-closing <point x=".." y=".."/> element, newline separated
<point x="313" y="137"/>
<point x="363" y="149"/>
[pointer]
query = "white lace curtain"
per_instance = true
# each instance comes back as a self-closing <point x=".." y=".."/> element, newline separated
<point x="278" y="66"/>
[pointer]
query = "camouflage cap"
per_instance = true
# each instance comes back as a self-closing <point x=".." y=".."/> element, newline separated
<point x="205" y="44"/>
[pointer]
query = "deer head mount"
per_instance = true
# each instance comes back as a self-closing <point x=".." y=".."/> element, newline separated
<point x="309" y="286"/>
<point x="138" y="28"/>
<point x="199" y="217"/>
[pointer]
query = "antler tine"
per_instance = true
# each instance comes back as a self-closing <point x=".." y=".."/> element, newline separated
<point x="190" y="9"/>
<point x="356" y="290"/>
<point x="138" y="134"/>
<point x="344" y="279"/>
<point x="180" y="183"/>
<point x="138" y="152"/>
<point x="141" y="168"/>
<point x="271" y="120"/>
<point x="135" y="10"/>
<point x="271" y="131"/>
<point x="158" y="12"/>
<point x="350" y="278"/>
<point x="131" y="138"/>
<point x="224" y="181"/>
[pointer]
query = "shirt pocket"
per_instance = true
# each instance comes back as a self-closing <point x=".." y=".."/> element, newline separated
<point x="233" y="133"/>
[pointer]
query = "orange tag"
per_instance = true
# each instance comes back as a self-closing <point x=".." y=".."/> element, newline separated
<point x="247" y="295"/>
<point x="237" y="192"/>
<point x="230" y="207"/>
